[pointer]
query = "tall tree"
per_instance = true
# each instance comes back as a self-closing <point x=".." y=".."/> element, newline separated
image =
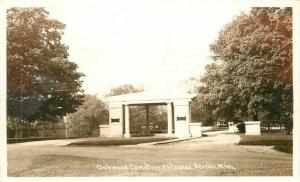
<point x="252" y="70"/>
<point x="41" y="83"/>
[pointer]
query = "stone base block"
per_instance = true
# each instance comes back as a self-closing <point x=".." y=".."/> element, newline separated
<point x="182" y="129"/>
<point x="196" y="129"/>
<point x="104" y="130"/>
<point x="252" y="127"/>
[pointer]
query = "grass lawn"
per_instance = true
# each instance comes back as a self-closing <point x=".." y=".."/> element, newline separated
<point x="283" y="143"/>
<point x="118" y="141"/>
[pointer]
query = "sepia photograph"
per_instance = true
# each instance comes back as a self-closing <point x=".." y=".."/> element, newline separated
<point x="146" y="88"/>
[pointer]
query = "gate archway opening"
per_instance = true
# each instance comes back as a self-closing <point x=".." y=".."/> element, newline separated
<point x="148" y="120"/>
<point x="177" y="106"/>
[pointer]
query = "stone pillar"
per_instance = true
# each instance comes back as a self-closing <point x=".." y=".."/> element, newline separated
<point x="115" y="120"/>
<point x="189" y="115"/>
<point x="182" y="118"/>
<point x="127" y="125"/>
<point x="170" y="119"/>
<point x="190" y="112"/>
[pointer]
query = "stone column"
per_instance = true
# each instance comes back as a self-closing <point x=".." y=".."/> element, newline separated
<point x="189" y="115"/>
<point x="127" y="126"/>
<point x="170" y="119"/>
<point x="182" y="118"/>
<point x="116" y="121"/>
<point x="190" y="112"/>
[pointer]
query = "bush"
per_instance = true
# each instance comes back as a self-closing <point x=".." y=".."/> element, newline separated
<point x="241" y="127"/>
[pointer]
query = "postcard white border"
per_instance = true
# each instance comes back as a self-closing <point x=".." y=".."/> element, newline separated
<point x="5" y="4"/>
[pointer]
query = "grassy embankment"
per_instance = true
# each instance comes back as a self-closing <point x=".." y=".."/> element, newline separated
<point x="283" y="143"/>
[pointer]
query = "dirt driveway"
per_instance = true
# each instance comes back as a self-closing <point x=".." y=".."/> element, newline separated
<point x="214" y="155"/>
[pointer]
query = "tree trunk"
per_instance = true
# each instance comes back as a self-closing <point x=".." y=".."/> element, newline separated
<point x="17" y="131"/>
<point x="255" y="116"/>
<point x="21" y="129"/>
<point x="147" y="120"/>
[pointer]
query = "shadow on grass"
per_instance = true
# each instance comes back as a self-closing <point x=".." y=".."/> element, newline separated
<point x="118" y="141"/>
<point x="283" y="143"/>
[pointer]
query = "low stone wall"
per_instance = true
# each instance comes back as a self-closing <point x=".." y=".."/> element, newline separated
<point x="104" y="130"/>
<point x="196" y="129"/>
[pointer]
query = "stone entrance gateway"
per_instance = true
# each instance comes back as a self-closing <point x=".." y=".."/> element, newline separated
<point x="178" y="107"/>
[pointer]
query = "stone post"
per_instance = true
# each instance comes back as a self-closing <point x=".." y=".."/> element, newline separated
<point x="170" y="119"/>
<point x="182" y="118"/>
<point x="127" y="125"/>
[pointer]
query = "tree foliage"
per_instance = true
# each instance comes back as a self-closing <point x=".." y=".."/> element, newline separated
<point x="41" y="83"/>
<point x="251" y="73"/>
<point x="86" y="120"/>
<point x="124" y="89"/>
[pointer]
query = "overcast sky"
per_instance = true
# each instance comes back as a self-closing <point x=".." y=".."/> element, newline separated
<point x="157" y="44"/>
